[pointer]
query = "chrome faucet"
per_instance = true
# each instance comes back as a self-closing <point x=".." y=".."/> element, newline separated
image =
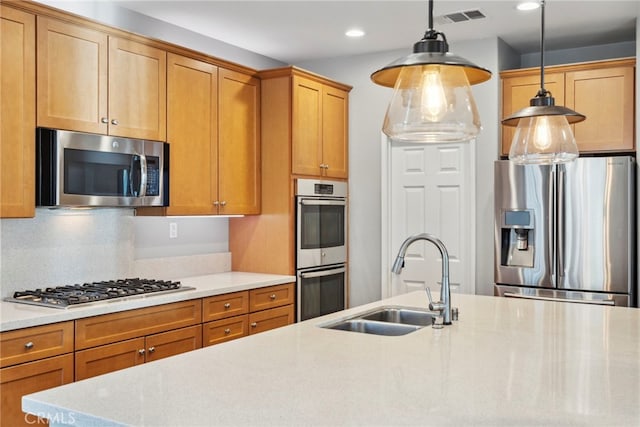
<point x="444" y="305"/>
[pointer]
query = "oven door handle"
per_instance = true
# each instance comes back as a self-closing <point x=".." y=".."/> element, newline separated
<point x="321" y="273"/>
<point x="323" y="202"/>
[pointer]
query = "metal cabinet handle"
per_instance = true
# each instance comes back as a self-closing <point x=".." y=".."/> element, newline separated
<point x="104" y="120"/>
<point x="254" y="324"/>
<point x="227" y="331"/>
<point x="152" y="349"/>
<point x="29" y="345"/>
<point x="272" y="297"/>
<point x="141" y="351"/>
<point x="227" y="305"/>
<point x="115" y="122"/>
<point x="223" y="203"/>
<point x="216" y="203"/>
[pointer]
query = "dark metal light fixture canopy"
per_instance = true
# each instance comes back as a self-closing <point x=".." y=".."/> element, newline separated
<point x="432" y="100"/>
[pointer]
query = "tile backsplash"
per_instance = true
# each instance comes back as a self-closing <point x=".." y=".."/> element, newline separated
<point x="61" y="247"/>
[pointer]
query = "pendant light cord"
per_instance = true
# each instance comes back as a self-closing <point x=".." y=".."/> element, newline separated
<point x="432" y="34"/>
<point x="542" y="92"/>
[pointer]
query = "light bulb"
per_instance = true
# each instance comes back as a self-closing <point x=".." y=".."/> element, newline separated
<point x="433" y="101"/>
<point x="543" y="140"/>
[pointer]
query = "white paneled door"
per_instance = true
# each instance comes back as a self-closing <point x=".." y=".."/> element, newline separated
<point x="431" y="191"/>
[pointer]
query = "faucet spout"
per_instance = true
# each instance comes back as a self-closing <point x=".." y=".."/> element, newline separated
<point x="444" y="305"/>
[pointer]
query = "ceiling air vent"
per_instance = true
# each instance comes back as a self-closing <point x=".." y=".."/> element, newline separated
<point x="467" y="15"/>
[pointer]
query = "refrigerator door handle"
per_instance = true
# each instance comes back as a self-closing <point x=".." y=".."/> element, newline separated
<point x="593" y="302"/>
<point x="551" y="227"/>
<point x="560" y="221"/>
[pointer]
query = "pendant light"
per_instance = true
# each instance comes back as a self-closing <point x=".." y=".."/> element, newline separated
<point x="543" y="134"/>
<point x="432" y="100"/>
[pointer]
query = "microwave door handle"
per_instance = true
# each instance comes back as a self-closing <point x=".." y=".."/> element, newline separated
<point x="321" y="273"/>
<point x="143" y="175"/>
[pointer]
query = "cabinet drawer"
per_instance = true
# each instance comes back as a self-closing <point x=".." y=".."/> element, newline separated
<point x="25" y="345"/>
<point x="227" y="305"/>
<point x="109" y="358"/>
<point x="109" y="328"/>
<point x="175" y="342"/>
<point x="270" y="319"/>
<point x="16" y="381"/>
<point x="272" y="296"/>
<point x="225" y="330"/>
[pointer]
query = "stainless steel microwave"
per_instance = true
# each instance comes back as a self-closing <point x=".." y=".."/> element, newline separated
<point x="82" y="169"/>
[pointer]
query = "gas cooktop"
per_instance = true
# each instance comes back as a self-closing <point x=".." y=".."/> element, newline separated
<point x="83" y="294"/>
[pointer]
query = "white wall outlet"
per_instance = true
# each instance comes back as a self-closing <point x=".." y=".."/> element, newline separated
<point x="173" y="230"/>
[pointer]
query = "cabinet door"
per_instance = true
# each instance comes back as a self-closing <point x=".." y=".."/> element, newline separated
<point x="137" y="90"/>
<point x="306" y="132"/>
<point x="17" y="109"/>
<point x="72" y="77"/>
<point x="192" y="133"/>
<point x="109" y="358"/>
<point x="238" y="143"/>
<point x="606" y="97"/>
<point x="171" y="343"/>
<point x="518" y="91"/>
<point x="27" y="378"/>
<point x="270" y="319"/>
<point x="335" y="110"/>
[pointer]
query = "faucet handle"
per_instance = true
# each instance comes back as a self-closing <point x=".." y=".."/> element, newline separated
<point x="438" y="305"/>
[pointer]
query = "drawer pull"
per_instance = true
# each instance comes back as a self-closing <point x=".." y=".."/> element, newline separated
<point x="227" y="331"/>
<point x="254" y="324"/>
<point x="272" y="297"/>
<point x="29" y="345"/>
<point x="152" y="349"/>
<point x="115" y="122"/>
<point x="227" y="305"/>
<point x="141" y="351"/>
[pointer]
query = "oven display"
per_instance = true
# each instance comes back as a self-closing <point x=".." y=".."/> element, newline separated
<point x="324" y="189"/>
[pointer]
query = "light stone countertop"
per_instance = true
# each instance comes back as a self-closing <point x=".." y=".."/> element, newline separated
<point x="506" y="362"/>
<point x="17" y="316"/>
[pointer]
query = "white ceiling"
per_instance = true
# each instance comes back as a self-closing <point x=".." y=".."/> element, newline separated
<point x="298" y="30"/>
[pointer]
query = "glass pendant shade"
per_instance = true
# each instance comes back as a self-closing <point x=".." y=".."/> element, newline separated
<point x="543" y="140"/>
<point x="432" y="103"/>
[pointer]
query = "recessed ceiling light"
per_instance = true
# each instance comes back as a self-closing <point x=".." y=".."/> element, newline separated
<point x="354" y="33"/>
<point x="528" y="5"/>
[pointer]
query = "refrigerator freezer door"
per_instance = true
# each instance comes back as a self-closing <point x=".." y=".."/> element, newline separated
<point x="596" y="226"/>
<point x="524" y="229"/>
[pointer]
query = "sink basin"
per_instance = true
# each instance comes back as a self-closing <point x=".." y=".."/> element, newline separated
<point x="373" y="327"/>
<point x="403" y="315"/>
<point x="385" y="320"/>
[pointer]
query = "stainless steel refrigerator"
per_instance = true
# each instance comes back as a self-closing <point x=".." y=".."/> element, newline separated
<point x="566" y="232"/>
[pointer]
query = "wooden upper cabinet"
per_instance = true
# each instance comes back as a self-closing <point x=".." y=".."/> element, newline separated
<point x="238" y="143"/>
<point x="137" y="90"/>
<point x="90" y="82"/>
<point x="17" y="112"/>
<point x="517" y="93"/>
<point x="603" y="91"/>
<point x="192" y="133"/>
<point x="319" y="129"/>
<point x="606" y="97"/>
<point x="72" y="77"/>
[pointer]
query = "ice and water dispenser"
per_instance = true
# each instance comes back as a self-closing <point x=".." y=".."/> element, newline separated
<point x="517" y="242"/>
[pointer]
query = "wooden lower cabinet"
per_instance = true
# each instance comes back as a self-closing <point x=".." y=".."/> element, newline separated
<point x="31" y="377"/>
<point x="125" y="354"/>
<point x="265" y="320"/>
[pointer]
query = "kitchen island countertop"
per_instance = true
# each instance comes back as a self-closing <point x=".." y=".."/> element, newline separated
<point x="16" y="316"/>
<point x="505" y="362"/>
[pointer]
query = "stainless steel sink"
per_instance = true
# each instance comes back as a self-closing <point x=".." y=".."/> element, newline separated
<point x="373" y="327"/>
<point x="403" y="315"/>
<point x="385" y="320"/>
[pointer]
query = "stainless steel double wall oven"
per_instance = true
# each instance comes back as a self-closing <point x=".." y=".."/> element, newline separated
<point x="321" y="247"/>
